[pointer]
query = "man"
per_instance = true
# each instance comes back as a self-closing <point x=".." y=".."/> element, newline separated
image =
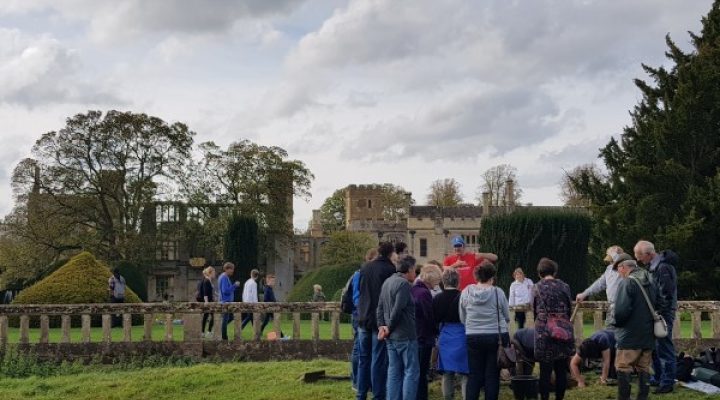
<point x="227" y="295"/>
<point x="372" y="357"/>
<point x="600" y="345"/>
<point x="524" y="342"/>
<point x="269" y="297"/>
<point x="465" y="262"/>
<point x="633" y="327"/>
<point x="250" y="295"/>
<point x="664" y="277"/>
<point x="116" y="290"/>
<point x="608" y="282"/>
<point x="396" y="321"/>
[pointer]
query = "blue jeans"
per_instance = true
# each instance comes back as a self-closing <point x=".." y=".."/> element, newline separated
<point x="355" y="354"/>
<point x="403" y="369"/>
<point x="664" y="361"/>
<point x="482" y="360"/>
<point x="372" y="365"/>
<point x="227" y="318"/>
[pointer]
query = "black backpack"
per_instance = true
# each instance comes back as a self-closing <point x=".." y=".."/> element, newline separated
<point x="346" y="300"/>
<point x="198" y="291"/>
<point x="710" y="358"/>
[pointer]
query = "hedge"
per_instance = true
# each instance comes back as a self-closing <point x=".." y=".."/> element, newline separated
<point x="83" y="279"/>
<point x="332" y="278"/>
<point x="523" y="237"/>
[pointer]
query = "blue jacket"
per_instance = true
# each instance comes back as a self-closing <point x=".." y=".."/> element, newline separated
<point x="227" y="289"/>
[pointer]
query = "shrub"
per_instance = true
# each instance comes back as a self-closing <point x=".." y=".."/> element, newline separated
<point x="332" y="278"/>
<point x="525" y="236"/>
<point x="83" y="279"/>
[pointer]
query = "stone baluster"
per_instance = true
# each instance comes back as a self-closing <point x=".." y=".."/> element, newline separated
<point x="85" y="328"/>
<point x="296" y="326"/>
<point x="237" y="321"/>
<point x="217" y="326"/>
<point x="257" y="324"/>
<point x="44" y="329"/>
<point x="598" y="321"/>
<point x="578" y="327"/>
<point x="315" y="326"/>
<point x="335" y="323"/>
<point x="3" y="330"/>
<point x="24" y="329"/>
<point x="168" y="327"/>
<point x="65" y="324"/>
<point x="697" y="325"/>
<point x="127" y="327"/>
<point x="107" y="328"/>
<point x="277" y="324"/>
<point x="148" y="320"/>
<point x="676" y="326"/>
<point x="715" y="319"/>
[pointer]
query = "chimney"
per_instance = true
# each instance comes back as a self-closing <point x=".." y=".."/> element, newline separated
<point x="486" y="203"/>
<point x="509" y="194"/>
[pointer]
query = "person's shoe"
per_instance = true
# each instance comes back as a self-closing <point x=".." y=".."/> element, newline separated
<point x="664" y="389"/>
<point x="624" y="389"/>
<point x="654" y="382"/>
<point x="643" y="378"/>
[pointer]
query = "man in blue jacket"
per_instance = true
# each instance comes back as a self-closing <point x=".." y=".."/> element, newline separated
<point x="227" y="295"/>
<point x="664" y="277"/>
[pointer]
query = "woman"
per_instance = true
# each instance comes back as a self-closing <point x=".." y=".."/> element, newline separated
<point x="425" y="327"/>
<point x="452" y="359"/>
<point x="207" y="295"/>
<point x="554" y="340"/>
<point x="484" y="309"/>
<point x="520" y="291"/>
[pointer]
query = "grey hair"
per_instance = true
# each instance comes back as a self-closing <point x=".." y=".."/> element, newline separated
<point x="645" y="247"/>
<point x="450" y="278"/>
<point x="629" y="263"/>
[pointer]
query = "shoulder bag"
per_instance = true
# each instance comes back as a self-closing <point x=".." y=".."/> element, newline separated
<point x="660" y="328"/>
<point x="506" y="356"/>
<point x="558" y="326"/>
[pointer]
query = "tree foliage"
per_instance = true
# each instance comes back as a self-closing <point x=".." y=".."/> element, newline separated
<point x="568" y="192"/>
<point x="346" y="247"/>
<point x="444" y="193"/>
<point x="494" y="181"/>
<point x="332" y="212"/>
<point x="241" y="245"/>
<point x="664" y="172"/>
<point x="524" y="236"/>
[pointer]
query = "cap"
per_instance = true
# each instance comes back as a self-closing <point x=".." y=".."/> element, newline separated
<point x="620" y="259"/>
<point x="458" y="241"/>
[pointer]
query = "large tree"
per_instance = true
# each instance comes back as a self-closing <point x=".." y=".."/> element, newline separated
<point x="444" y="193"/>
<point x="663" y="181"/>
<point x="494" y="181"/>
<point x="568" y="192"/>
<point x="100" y="171"/>
<point x="332" y="212"/>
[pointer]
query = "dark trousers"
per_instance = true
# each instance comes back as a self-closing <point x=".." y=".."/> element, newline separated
<point x="227" y="318"/>
<point x="209" y="320"/>
<point x="482" y="362"/>
<point x="424" y="352"/>
<point x="520" y="317"/>
<point x="116" y="318"/>
<point x="664" y="361"/>
<point x="546" y="369"/>
<point x="247" y="317"/>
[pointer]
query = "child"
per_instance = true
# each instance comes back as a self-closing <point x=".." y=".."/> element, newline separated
<point x="520" y="295"/>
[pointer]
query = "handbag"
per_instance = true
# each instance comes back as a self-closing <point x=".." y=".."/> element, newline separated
<point x="660" y="328"/>
<point x="558" y="326"/>
<point x="506" y="356"/>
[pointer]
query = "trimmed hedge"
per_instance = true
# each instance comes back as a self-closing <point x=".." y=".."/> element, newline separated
<point x="332" y="278"/>
<point x="83" y="279"/>
<point x="525" y="236"/>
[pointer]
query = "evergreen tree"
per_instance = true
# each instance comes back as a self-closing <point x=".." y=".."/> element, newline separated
<point x="663" y="176"/>
<point x="241" y="245"/>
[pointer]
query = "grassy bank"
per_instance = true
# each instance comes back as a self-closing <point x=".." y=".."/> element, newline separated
<point x="257" y="381"/>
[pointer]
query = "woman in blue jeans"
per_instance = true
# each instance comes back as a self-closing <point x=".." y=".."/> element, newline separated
<point x="479" y="307"/>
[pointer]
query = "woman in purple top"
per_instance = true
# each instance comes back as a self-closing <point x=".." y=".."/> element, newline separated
<point x="430" y="276"/>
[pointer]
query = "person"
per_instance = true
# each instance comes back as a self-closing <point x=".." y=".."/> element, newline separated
<point x="452" y="349"/>
<point x="396" y="315"/>
<point x="372" y="358"/>
<point x="664" y="277"/>
<point x="483" y="308"/>
<point x="552" y="302"/>
<point x="430" y="276"/>
<point x="269" y="297"/>
<point x="520" y="295"/>
<point x="319" y="297"/>
<point x="524" y="342"/>
<point x="116" y="290"/>
<point x="437" y="289"/>
<point x="465" y="261"/>
<point x="8" y="297"/>
<point x="600" y="345"/>
<point x="206" y="295"/>
<point x="633" y="327"/>
<point x="608" y="282"/>
<point x="227" y="295"/>
<point x="250" y="295"/>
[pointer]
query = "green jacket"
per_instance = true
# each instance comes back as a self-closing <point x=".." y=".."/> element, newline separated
<point x="633" y="319"/>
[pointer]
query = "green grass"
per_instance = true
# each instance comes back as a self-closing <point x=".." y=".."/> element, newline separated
<point x="158" y="333"/>
<point x="257" y="381"/>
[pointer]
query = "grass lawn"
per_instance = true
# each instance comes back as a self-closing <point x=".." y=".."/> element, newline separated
<point x="257" y="381"/>
<point x="305" y="332"/>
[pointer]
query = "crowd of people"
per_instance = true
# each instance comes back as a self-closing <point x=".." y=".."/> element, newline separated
<point x="452" y="318"/>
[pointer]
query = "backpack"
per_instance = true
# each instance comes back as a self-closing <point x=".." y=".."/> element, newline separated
<point x="710" y="358"/>
<point x="684" y="367"/>
<point x="198" y="291"/>
<point x="346" y="299"/>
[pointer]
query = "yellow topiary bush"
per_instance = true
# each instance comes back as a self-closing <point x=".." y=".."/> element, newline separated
<point x="83" y="279"/>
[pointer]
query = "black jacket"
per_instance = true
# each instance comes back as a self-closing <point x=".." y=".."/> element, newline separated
<point x="372" y="277"/>
<point x="664" y="278"/>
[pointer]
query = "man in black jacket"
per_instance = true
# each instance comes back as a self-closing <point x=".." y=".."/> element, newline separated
<point x="664" y="277"/>
<point x="372" y="357"/>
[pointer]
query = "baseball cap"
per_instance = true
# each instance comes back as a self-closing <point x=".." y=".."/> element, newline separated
<point x="458" y="241"/>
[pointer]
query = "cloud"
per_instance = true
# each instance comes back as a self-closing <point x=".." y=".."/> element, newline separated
<point x="40" y="70"/>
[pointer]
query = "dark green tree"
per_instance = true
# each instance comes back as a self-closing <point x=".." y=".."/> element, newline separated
<point x="241" y="245"/>
<point x="663" y="175"/>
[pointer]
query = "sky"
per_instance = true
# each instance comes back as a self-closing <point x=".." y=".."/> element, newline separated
<point x="370" y="91"/>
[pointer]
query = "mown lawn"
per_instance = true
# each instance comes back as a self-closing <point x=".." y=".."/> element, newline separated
<point x="305" y="332"/>
<point x="256" y="381"/>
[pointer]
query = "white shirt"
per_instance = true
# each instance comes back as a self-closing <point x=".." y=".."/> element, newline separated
<point x="520" y="292"/>
<point x="250" y="294"/>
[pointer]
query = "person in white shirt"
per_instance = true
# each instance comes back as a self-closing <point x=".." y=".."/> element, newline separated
<point x="519" y="295"/>
<point x="608" y="282"/>
<point x="250" y="295"/>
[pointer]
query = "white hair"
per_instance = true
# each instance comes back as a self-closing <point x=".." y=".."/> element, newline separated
<point x="645" y="247"/>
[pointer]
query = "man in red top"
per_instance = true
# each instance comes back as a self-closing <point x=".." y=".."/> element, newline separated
<point x="465" y="262"/>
